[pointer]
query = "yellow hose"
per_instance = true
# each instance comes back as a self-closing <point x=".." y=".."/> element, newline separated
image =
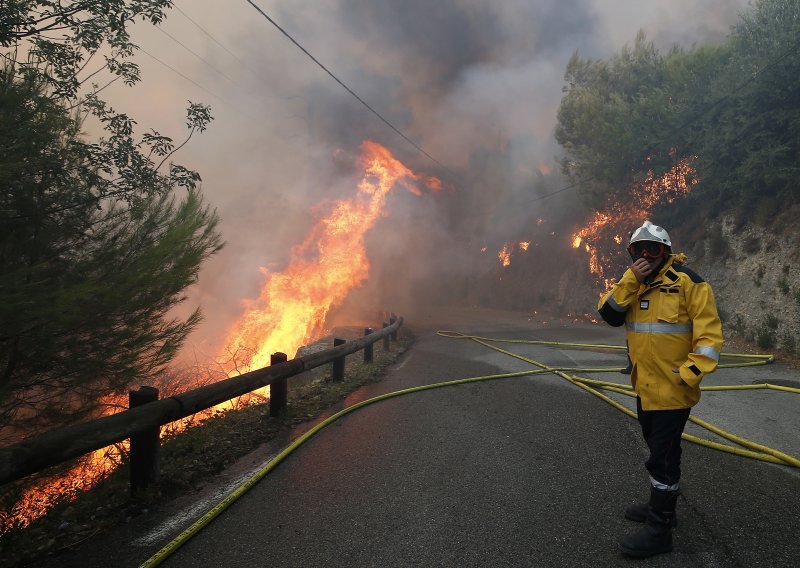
<point x="757" y="451"/>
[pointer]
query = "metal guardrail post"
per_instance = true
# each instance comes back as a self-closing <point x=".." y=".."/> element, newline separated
<point x="144" y="445"/>
<point x="338" y="363"/>
<point x="62" y="444"/>
<point x="279" y="389"/>
<point x="368" y="351"/>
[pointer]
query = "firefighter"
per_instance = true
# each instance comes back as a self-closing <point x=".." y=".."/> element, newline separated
<point x="674" y="339"/>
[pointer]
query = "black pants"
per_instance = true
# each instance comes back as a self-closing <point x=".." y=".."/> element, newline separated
<point x="662" y="431"/>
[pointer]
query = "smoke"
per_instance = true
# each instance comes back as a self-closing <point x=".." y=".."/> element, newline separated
<point x="476" y="83"/>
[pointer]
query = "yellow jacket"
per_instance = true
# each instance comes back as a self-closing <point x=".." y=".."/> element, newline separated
<point x="672" y="323"/>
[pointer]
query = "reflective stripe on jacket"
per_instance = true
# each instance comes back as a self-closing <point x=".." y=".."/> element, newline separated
<point x="671" y="323"/>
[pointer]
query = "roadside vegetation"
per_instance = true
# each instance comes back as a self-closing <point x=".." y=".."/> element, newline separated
<point x="732" y="110"/>
<point x="98" y="237"/>
<point x="190" y="460"/>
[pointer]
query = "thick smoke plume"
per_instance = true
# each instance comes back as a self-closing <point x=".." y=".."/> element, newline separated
<point x="475" y="82"/>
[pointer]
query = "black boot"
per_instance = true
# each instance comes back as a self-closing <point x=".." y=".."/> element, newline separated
<point x="638" y="513"/>
<point x="656" y="536"/>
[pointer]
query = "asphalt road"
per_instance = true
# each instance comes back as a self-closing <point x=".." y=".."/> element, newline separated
<point x="527" y="471"/>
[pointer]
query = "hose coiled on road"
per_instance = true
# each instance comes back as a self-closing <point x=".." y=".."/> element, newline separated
<point x="750" y="449"/>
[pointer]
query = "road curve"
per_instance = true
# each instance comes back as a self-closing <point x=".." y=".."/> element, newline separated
<point x="528" y="471"/>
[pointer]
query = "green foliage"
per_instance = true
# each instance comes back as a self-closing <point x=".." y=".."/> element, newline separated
<point x="85" y="288"/>
<point x="608" y="115"/>
<point x="63" y="37"/>
<point x="95" y="248"/>
<point x="734" y="109"/>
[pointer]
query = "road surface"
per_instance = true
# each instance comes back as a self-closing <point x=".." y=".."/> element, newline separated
<point x="528" y="471"/>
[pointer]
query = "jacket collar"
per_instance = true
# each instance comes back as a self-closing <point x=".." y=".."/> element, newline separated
<point x="665" y="275"/>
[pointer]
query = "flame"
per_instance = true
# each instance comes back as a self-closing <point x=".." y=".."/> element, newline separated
<point x="619" y="218"/>
<point x="332" y="260"/>
<point x="508" y="248"/>
<point x="290" y="311"/>
<point x="41" y="496"/>
<point x="505" y="255"/>
<point x="544" y="168"/>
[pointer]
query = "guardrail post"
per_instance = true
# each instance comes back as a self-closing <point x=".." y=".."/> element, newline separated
<point x="144" y="445"/>
<point x="386" y="337"/>
<point x="368" y="351"/>
<point x="278" y="390"/>
<point x="392" y="321"/>
<point x="338" y="363"/>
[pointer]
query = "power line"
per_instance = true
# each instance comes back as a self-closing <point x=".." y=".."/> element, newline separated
<point x="193" y="82"/>
<point x="199" y="27"/>
<point x="346" y="88"/>
<point x="198" y="56"/>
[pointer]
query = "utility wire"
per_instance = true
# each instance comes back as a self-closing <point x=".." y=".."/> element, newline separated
<point x="198" y="56"/>
<point x="193" y="82"/>
<point x="199" y="27"/>
<point x="348" y="89"/>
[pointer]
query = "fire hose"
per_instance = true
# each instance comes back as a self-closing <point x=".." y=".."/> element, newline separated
<point x="748" y="448"/>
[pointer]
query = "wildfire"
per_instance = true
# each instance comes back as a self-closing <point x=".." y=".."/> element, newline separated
<point x="508" y="248"/>
<point x="293" y="304"/>
<point x="505" y="255"/>
<point x="290" y="311"/>
<point x="37" y="499"/>
<point x="615" y="223"/>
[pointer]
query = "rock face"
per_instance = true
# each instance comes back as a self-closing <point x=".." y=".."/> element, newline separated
<point x="756" y="278"/>
<point x="755" y="273"/>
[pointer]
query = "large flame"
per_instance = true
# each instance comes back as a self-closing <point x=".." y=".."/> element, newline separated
<point x="608" y="229"/>
<point x="293" y="304"/>
<point x="290" y="311"/>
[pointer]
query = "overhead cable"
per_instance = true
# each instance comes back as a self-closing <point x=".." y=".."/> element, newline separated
<point x="346" y="88"/>
<point x="193" y="82"/>
<point x="197" y="55"/>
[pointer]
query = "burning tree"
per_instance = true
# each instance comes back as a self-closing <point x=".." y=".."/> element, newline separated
<point x="95" y="248"/>
<point x="731" y="109"/>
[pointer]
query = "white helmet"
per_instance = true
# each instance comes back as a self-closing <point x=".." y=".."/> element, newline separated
<point x="650" y="232"/>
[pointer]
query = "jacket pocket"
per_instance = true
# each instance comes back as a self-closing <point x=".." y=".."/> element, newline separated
<point x="669" y="304"/>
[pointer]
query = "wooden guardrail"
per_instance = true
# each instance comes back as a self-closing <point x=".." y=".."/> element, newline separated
<point x="55" y="447"/>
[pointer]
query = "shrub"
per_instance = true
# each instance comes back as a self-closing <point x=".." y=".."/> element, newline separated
<point x="737" y="324"/>
<point x="789" y="343"/>
<point x="760" y="271"/>
<point x="765" y="337"/>
<point x="718" y="245"/>
<point x="771" y="321"/>
<point x="752" y="245"/>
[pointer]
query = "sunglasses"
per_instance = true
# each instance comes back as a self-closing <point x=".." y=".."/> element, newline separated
<point x="647" y="249"/>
